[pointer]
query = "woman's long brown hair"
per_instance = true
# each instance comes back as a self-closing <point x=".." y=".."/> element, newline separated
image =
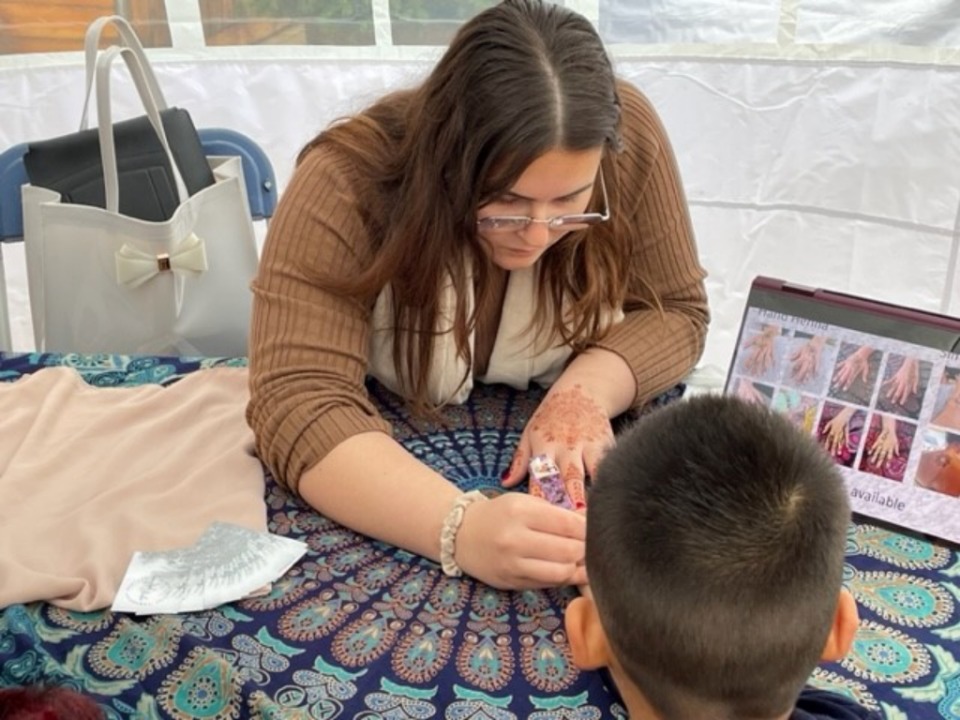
<point x="518" y="80"/>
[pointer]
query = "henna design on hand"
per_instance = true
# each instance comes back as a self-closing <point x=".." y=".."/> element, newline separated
<point x="570" y="417"/>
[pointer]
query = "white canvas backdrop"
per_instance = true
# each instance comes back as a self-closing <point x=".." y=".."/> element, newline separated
<point x="817" y="139"/>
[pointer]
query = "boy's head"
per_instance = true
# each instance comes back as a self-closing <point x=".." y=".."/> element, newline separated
<point x="715" y="548"/>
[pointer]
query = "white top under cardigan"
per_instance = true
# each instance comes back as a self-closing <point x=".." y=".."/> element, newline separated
<point x="516" y="359"/>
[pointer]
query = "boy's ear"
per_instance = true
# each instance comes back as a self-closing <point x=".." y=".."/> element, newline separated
<point x="846" y="620"/>
<point x="588" y="641"/>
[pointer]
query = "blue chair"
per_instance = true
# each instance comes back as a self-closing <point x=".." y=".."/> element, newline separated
<point x="12" y="176"/>
<point x="257" y="169"/>
<point x="259" y="177"/>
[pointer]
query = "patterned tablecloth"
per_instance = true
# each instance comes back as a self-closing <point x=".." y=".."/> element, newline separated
<point x="358" y="629"/>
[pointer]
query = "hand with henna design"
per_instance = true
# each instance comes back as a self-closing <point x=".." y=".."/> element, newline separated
<point x="806" y="359"/>
<point x="761" y="348"/>
<point x="939" y="470"/>
<point x="887" y="444"/>
<point x="904" y="383"/>
<point x="853" y="366"/>
<point x="571" y="428"/>
<point x="949" y="415"/>
<point x="747" y="391"/>
<point x="836" y="432"/>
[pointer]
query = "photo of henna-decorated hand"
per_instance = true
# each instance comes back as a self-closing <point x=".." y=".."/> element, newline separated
<point x="904" y="382"/>
<point x="571" y="428"/>
<point x="839" y="431"/>
<point x="760" y="349"/>
<point x="805" y="360"/>
<point x="939" y="466"/>
<point x="752" y="392"/>
<point x="852" y="367"/>
<point x="903" y="386"/>
<point x="946" y="412"/>
<point x="808" y="362"/>
<point x="855" y="374"/>
<point x="836" y="431"/>
<point x="886" y="445"/>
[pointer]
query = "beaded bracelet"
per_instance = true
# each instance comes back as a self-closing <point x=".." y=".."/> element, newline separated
<point x="448" y="533"/>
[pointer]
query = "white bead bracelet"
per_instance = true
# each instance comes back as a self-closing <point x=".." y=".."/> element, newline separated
<point x="451" y="526"/>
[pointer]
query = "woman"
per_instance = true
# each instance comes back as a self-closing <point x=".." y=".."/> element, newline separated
<point x="518" y="217"/>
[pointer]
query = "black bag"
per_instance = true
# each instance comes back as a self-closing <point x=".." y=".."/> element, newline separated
<point x="71" y="165"/>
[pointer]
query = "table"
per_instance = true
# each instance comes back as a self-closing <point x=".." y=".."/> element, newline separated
<point x="358" y="629"/>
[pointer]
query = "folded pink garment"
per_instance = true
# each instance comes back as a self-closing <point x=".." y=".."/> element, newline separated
<point x="90" y="475"/>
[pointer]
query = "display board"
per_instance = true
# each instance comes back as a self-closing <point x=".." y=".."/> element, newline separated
<point x="878" y="385"/>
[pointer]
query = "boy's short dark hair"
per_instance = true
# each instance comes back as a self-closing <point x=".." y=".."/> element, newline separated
<point x="715" y="549"/>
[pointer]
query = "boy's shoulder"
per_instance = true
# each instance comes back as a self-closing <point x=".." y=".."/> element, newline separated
<point x="814" y="704"/>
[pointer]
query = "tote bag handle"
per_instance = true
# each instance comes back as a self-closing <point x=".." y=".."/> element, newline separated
<point x="128" y="38"/>
<point x="108" y="152"/>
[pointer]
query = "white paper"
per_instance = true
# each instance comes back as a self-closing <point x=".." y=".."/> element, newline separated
<point x="226" y="563"/>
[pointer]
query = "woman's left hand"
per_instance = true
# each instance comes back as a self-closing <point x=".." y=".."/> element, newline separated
<point x="572" y="429"/>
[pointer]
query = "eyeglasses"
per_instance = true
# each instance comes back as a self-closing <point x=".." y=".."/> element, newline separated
<point x="514" y="223"/>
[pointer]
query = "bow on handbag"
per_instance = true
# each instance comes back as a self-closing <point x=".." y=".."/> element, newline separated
<point x="135" y="267"/>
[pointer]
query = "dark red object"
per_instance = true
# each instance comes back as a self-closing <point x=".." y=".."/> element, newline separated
<point x="47" y="703"/>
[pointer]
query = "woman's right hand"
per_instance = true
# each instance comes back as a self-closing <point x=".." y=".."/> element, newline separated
<point x="516" y="542"/>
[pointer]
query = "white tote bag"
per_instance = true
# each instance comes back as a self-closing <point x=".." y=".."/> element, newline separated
<point x="102" y="282"/>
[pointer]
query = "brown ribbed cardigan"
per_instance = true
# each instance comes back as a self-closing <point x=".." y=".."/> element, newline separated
<point x="308" y="347"/>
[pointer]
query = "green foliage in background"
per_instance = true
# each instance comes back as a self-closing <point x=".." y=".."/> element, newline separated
<point x="322" y="9"/>
<point x="360" y="9"/>
<point x="438" y="9"/>
<point x="350" y="22"/>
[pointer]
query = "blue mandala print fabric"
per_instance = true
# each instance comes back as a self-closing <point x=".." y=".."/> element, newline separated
<point x="361" y="630"/>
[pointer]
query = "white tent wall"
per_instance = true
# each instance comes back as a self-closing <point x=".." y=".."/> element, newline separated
<point x="817" y="139"/>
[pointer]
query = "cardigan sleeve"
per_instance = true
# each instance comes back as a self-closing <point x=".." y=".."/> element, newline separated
<point x="661" y="347"/>
<point x="308" y="345"/>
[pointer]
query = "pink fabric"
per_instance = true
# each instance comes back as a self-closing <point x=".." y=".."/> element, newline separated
<point x="89" y="475"/>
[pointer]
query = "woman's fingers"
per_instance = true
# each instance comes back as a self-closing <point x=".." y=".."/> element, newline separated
<point x="517" y="541"/>
<point x="574" y="477"/>
<point x="569" y="431"/>
<point x="518" y="466"/>
<point x="593" y="454"/>
<point x="579" y="464"/>
<point x="559" y="480"/>
<point x="543" y="573"/>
